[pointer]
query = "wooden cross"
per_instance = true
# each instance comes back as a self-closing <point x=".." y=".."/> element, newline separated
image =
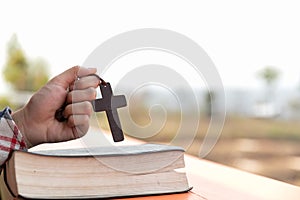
<point x="109" y="104"/>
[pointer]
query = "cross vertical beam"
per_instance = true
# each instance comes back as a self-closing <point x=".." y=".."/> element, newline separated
<point x="109" y="104"/>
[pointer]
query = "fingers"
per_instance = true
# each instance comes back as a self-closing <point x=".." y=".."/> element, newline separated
<point x="68" y="77"/>
<point x="83" y="89"/>
<point x="81" y="108"/>
<point x="88" y="94"/>
<point x="85" y="82"/>
<point x="78" y="115"/>
<point x="85" y="71"/>
<point x="80" y="84"/>
<point x="79" y="124"/>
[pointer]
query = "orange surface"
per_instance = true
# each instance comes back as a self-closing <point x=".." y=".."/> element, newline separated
<point x="183" y="196"/>
<point x="214" y="181"/>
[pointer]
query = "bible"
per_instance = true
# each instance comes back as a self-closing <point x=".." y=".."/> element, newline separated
<point x="98" y="172"/>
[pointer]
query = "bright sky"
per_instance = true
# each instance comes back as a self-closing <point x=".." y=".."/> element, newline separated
<point x="241" y="37"/>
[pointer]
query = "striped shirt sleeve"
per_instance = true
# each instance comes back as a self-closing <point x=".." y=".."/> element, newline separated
<point x="10" y="136"/>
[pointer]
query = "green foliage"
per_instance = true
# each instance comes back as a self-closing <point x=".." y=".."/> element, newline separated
<point x="269" y="75"/>
<point x="21" y="73"/>
<point x="38" y="75"/>
<point x="4" y="102"/>
<point x="16" y="65"/>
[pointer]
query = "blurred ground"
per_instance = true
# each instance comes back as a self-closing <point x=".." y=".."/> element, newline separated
<point x="267" y="147"/>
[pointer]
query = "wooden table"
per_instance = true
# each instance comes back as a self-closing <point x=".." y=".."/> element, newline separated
<point x="214" y="181"/>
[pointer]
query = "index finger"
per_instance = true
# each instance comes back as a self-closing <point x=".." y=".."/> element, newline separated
<point x="66" y="78"/>
<point x="83" y="71"/>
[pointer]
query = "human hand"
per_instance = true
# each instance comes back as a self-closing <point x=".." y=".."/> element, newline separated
<point x="36" y="119"/>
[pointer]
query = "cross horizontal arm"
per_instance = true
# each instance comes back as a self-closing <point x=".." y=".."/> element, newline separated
<point x="106" y="104"/>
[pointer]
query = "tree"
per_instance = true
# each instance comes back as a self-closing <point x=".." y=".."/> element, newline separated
<point x="5" y="101"/>
<point x="267" y="108"/>
<point x="38" y="74"/>
<point x="16" y="65"/>
<point x="22" y="73"/>
<point x="270" y="75"/>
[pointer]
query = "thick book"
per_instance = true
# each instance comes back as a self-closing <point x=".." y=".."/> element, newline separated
<point x="101" y="172"/>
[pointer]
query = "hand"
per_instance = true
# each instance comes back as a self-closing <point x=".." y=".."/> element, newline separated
<point x="36" y="119"/>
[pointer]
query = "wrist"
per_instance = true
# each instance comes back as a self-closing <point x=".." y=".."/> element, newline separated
<point x="19" y="120"/>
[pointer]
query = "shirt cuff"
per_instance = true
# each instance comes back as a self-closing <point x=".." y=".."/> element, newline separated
<point x="10" y="136"/>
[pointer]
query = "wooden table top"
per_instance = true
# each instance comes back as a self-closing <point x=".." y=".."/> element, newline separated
<point x="212" y="181"/>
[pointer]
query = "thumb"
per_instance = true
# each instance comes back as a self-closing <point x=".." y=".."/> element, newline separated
<point x="66" y="78"/>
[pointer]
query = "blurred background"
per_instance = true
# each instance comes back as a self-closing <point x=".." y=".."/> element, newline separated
<point x="254" y="45"/>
